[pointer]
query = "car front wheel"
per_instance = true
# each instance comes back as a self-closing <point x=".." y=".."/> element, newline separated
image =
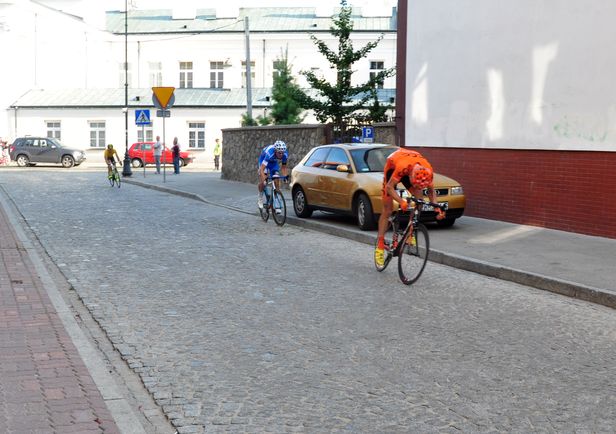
<point x="68" y="161"/>
<point x="363" y="211"/>
<point x="300" y="203"/>
<point x="22" y="160"/>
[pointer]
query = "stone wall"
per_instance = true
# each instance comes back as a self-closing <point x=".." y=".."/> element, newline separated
<point x="242" y="146"/>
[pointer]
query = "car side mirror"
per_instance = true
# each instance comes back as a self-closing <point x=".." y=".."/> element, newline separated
<point x="342" y="168"/>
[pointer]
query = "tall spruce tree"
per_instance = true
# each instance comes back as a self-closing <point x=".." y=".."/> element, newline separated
<point x="337" y="102"/>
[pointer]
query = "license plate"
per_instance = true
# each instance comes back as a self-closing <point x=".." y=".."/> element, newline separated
<point x="445" y="205"/>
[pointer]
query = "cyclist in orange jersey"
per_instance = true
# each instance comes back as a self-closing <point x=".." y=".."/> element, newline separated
<point x="416" y="174"/>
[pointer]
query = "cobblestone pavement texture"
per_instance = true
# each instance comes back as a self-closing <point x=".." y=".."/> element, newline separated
<point x="44" y="385"/>
<point x="235" y="325"/>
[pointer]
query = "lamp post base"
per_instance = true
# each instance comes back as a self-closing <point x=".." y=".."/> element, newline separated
<point x="126" y="169"/>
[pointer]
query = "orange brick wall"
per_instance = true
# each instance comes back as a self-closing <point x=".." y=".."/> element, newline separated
<point x="538" y="188"/>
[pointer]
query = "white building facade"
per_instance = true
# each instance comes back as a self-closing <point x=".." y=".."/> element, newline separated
<point x="70" y="83"/>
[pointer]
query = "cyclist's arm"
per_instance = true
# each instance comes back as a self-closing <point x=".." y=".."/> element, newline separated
<point x="117" y="155"/>
<point x="391" y="189"/>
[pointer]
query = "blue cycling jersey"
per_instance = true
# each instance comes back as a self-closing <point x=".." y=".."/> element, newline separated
<point x="268" y="157"/>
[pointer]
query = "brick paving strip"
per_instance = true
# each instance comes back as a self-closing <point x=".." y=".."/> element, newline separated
<point x="45" y="386"/>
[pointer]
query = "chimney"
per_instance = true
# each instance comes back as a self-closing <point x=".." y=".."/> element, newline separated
<point x="228" y="10"/>
<point x="183" y="12"/>
<point x="376" y="8"/>
<point x="324" y="11"/>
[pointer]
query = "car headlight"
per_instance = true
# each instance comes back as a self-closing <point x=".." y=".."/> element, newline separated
<point x="457" y="190"/>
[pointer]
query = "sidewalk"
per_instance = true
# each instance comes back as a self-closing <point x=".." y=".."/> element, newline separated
<point x="44" y="384"/>
<point x="575" y="265"/>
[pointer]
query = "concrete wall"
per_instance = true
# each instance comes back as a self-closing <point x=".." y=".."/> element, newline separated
<point x="242" y="146"/>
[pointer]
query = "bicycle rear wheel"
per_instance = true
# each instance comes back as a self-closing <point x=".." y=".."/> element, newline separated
<point x="279" y="209"/>
<point x="388" y="251"/>
<point x="264" y="210"/>
<point x="413" y="254"/>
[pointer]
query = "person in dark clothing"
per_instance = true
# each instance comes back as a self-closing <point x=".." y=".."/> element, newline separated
<point x="175" y="153"/>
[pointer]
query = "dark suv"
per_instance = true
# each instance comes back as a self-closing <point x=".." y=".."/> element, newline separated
<point x="27" y="151"/>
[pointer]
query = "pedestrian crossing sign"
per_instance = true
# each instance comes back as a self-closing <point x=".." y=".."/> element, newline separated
<point x="142" y="117"/>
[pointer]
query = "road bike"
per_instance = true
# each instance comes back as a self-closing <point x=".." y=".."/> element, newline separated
<point x="273" y="201"/>
<point x="410" y="243"/>
<point x="114" y="178"/>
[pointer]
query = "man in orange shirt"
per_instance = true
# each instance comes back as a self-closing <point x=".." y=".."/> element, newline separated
<point x="415" y="173"/>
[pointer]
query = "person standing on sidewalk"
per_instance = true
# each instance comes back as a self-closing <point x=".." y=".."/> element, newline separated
<point x="158" y="152"/>
<point x="217" y="152"/>
<point x="175" y="153"/>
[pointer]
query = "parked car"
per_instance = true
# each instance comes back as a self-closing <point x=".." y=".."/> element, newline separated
<point x="140" y="151"/>
<point x="348" y="179"/>
<point x="27" y="151"/>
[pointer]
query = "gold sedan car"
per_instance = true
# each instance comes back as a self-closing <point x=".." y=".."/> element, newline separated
<point x="348" y="178"/>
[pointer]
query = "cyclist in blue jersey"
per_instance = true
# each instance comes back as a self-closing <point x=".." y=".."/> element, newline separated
<point x="268" y="165"/>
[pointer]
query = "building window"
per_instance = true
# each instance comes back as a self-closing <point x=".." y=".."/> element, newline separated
<point x="129" y="78"/>
<point x="216" y="75"/>
<point x="186" y="75"/>
<point x="375" y="68"/>
<point x="97" y="134"/>
<point x="252" y="73"/>
<point x="53" y="129"/>
<point x="156" y="74"/>
<point x="149" y="133"/>
<point x="196" y="135"/>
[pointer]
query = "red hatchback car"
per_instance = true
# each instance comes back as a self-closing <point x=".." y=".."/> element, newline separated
<point x="138" y="152"/>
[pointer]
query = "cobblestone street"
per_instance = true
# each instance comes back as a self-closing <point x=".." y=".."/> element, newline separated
<point x="235" y="325"/>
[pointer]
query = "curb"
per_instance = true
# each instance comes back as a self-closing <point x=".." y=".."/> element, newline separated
<point x="538" y="281"/>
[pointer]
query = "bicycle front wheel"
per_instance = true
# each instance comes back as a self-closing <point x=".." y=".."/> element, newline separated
<point x="279" y="211"/>
<point x="413" y="254"/>
<point x="116" y="176"/>
<point x="111" y="178"/>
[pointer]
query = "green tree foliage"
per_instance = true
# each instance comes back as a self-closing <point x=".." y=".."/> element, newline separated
<point x="248" y="121"/>
<point x="286" y="95"/>
<point x="338" y="102"/>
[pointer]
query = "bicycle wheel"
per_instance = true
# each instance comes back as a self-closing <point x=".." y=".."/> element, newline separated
<point x="111" y="179"/>
<point x="413" y="254"/>
<point x="116" y="176"/>
<point x="388" y="252"/>
<point x="264" y="210"/>
<point x="279" y="208"/>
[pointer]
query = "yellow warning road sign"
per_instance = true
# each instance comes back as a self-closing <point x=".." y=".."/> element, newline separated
<point x="163" y="95"/>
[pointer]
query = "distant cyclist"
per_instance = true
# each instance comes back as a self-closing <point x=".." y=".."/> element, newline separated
<point x="108" y="155"/>
<point x="268" y="165"/>
<point x="415" y="173"/>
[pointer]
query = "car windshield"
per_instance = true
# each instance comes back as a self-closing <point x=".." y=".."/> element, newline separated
<point x="370" y="159"/>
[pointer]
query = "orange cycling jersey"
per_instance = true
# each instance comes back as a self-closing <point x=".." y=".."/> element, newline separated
<point x="401" y="162"/>
<point x="399" y="166"/>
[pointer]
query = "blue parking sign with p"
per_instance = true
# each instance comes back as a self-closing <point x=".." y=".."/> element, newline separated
<point x="142" y="117"/>
<point x="367" y="134"/>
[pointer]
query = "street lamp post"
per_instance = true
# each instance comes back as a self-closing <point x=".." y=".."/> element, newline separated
<point x="126" y="170"/>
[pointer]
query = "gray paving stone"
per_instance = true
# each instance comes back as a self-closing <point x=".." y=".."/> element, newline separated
<point x="240" y="326"/>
